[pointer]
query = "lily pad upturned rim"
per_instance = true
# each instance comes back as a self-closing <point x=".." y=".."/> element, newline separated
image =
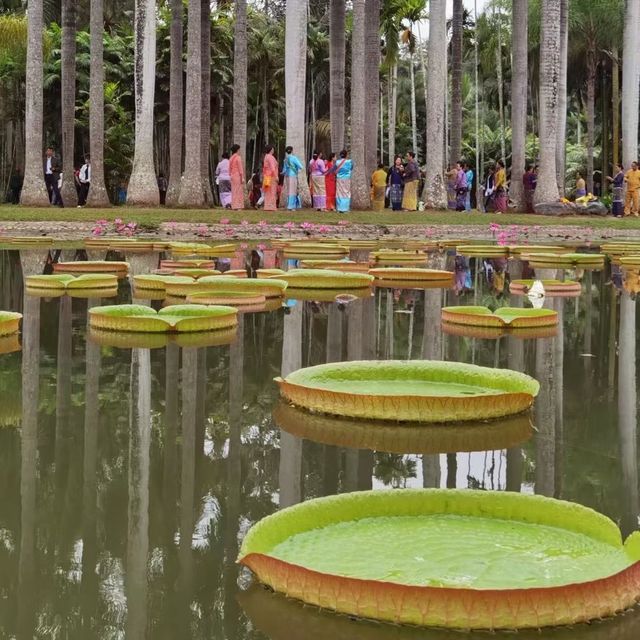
<point x="159" y="282"/>
<point x="564" y="259"/>
<point x="324" y="295"/>
<point x="407" y="274"/>
<point x="133" y="340"/>
<point x="495" y="333"/>
<point x="551" y="287"/>
<point x="10" y="343"/>
<point x="503" y="317"/>
<point x="460" y="607"/>
<point x="272" y="287"/>
<point x="511" y="391"/>
<point x="92" y="266"/>
<point x="68" y="281"/>
<point x="9" y="322"/>
<point x="404" y="438"/>
<point x="176" y="318"/>
<point x="326" y="279"/>
<point x="481" y="250"/>
<point x="186" y="264"/>
<point x="227" y="298"/>
<point x="348" y="266"/>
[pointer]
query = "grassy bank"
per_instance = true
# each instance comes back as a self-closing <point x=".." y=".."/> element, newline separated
<point x="154" y="217"/>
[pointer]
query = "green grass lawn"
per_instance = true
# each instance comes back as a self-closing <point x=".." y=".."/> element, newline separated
<point x="153" y="217"/>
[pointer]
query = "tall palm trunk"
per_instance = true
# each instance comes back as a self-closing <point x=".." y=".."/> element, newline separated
<point x="240" y="77"/>
<point x="337" y="71"/>
<point x="191" y="191"/>
<point x="615" y="105"/>
<point x="34" y="192"/>
<point x="205" y="133"/>
<point x="562" y="96"/>
<point x="630" y="87"/>
<point x="295" y="79"/>
<point x="98" y="196"/>
<point x="520" y="17"/>
<point x="592" y="66"/>
<point x="68" y="89"/>
<point x="359" y="183"/>
<point x="435" y="193"/>
<point x="414" y="115"/>
<point x="372" y="82"/>
<point x="499" y="75"/>
<point x="392" y="110"/>
<point x="176" y="96"/>
<point x="457" y="20"/>
<point x="143" y="185"/>
<point x="550" y="44"/>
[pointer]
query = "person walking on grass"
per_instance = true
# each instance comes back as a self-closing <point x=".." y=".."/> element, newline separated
<point x="411" y="178"/>
<point x="468" y="172"/>
<point x="236" y="172"/>
<point x="223" y="180"/>
<point x="317" y="171"/>
<point x="330" y="182"/>
<point x="461" y="187"/>
<point x="290" y="169"/>
<point x="270" y="179"/>
<point x="632" y="200"/>
<point x="85" y="181"/>
<point x="343" y="169"/>
<point x="378" y="188"/>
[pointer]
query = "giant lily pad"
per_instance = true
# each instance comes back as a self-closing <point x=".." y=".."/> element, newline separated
<point x="65" y="281"/>
<point x="9" y="322"/>
<point x="449" y="558"/>
<point x="230" y="298"/>
<point x="29" y="241"/>
<point x="93" y="266"/>
<point x="131" y="245"/>
<point x="519" y="249"/>
<point x="327" y="295"/>
<point x="411" y="437"/>
<point x="178" y="318"/>
<point x="157" y="282"/>
<point x="407" y="274"/>
<point x="325" y="279"/>
<point x="620" y="248"/>
<point x="551" y="260"/>
<point x="631" y="261"/>
<point x="9" y="344"/>
<point x="336" y="265"/>
<point x="420" y="391"/>
<point x="503" y="317"/>
<point x="494" y="333"/>
<point x="269" y="287"/>
<point x="392" y="257"/>
<point x="267" y="273"/>
<point x="482" y="250"/>
<point x="302" y="249"/>
<point x="134" y="340"/>
<point x="187" y="264"/>
<point x="552" y="288"/>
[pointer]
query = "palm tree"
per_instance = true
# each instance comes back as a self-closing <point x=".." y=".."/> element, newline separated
<point x="337" y="71"/>
<point x="547" y="187"/>
<point x="562" y="95"/>
<point x="359" y="183"/>
<point x="295" y="79"/>
<point x="519" y="80"/>
<point x="240" y="77"/>
<point x="68" y="91"/>
<point x="205" y="132"/>
<point x="435" y="193"/>
<point x="97" y="193"/>
<point x="34" y="193"/>
<point x="143" y="185"/>
<point x="595" y="24"/>
<point x="176" y="90"/>
<point x="630" y="75"/>
<point x="372" y="80"/>
<point x="457" y="23"/>
<point x="191" y="191"/>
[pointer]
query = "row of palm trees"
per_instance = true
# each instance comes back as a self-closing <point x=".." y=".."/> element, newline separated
<point x="189" y="184"/>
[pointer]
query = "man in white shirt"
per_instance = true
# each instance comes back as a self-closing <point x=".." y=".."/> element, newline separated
<point x="50" y="164"/>
<point x="85" y="181"/>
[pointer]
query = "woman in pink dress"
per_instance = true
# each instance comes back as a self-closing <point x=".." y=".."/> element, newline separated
<point x="270" y="179"/>
<point x="236" y="171"/>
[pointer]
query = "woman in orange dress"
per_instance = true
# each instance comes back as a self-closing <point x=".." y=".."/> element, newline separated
<point x="330" y="182"/>
<point x="236" y="171"/>
<point x="270" y="179"/>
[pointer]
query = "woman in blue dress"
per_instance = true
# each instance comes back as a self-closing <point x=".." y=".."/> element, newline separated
<point x="343" y="169"/>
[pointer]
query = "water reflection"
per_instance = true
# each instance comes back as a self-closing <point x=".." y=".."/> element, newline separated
<point x="135" y="473"/>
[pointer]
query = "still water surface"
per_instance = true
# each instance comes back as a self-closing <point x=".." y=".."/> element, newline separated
<point x="128" y="477"/>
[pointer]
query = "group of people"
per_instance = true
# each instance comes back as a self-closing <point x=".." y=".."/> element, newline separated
<point x="53" y="178"/>
<point x="630" y="179"/>
<point x="275" y="186"/>
<point x="399" y="186"/>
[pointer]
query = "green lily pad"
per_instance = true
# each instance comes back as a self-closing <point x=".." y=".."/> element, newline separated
<point x="516" y="317"/>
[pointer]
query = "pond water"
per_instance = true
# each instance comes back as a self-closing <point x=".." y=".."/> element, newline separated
<point x="128" y="477"/>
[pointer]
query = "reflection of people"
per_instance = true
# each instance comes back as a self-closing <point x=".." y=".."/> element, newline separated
<point x="617" y="182"/>
<point x="632" y="201"/>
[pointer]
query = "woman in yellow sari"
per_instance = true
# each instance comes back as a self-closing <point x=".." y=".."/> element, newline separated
<point x="378" y="188"/>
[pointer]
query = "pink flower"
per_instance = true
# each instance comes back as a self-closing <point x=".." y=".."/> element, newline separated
<point x="244" y="223"/>
<point x="224" y="221"/>
<point x="277" y="230"/>
<point x="262" y="246"/>
<point x="343" y="223"/>
<point x="289" y="225"/>
<point x="244" y="246"/>
<point x="263" y="223"/>
<point x="102" y="222"/>
<point x="117" y="221"/>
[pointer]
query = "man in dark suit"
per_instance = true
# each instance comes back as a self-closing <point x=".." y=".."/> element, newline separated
<point x="51" y="177"/>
